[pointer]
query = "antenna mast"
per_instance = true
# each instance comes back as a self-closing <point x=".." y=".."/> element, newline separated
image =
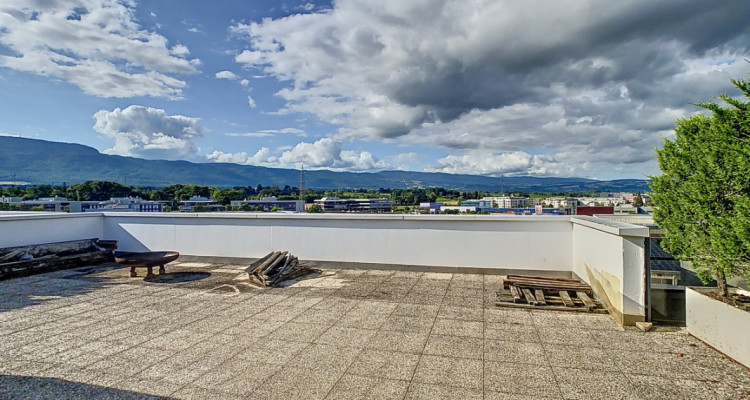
<point x="302" y="182"/>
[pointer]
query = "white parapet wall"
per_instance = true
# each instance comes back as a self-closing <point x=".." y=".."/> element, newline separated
<point x="724" y="327"/>
<point x="611" y="257"/>
<point x="26" y="228"/>
<point x="502" y="242"/>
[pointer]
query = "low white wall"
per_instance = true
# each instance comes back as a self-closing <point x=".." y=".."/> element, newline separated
<point x="507" y="242"/>
<point x="26" y="228"/>
<point x="610" y="256"/>
<point x="722" y="326"/>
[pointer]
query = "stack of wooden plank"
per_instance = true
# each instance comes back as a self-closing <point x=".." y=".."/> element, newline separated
<point x="274" y="268"/>
<point x="46" y="257"/>
<point x="548" y="293"/>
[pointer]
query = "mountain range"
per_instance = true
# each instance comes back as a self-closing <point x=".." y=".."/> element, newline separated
<point x="44" y="162"/>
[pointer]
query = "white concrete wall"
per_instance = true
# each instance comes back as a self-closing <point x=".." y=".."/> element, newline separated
<point x="722" y="326"/>
<point x="610" y="256"/>
<point x="513" y="242"/>
<point x="26" y="228"/>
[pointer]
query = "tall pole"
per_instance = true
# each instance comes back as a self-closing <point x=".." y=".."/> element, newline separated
<point x="302" y="182"/>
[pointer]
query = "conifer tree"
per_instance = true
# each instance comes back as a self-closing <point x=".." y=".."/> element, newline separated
<point x="702" y="198"/>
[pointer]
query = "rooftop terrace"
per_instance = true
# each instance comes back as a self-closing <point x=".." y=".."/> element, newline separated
<point x="201" y="333"/>
<point x="609" y="256"/>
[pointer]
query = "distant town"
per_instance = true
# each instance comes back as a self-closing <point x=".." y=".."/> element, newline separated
<point x="111" y="196"/>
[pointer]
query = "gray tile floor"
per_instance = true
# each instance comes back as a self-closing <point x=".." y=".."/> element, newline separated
<point x="201" y="332"/>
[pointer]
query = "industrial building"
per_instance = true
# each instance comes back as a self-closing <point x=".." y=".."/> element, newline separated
<point x="335" y="204"/>
<point x="270" y="203"/>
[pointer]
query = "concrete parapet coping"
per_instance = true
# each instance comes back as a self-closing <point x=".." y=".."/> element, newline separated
<point x="344" y="216"/>
<point x="613" y="227"/>
<point x="26" y="215"/>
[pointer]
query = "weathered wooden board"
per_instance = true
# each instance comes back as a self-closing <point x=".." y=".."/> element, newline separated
<point x="539" y="294"/>
<point x="516" y="294"/>
<point x="586" y="300"/>
<point x="552" y="308"/>
<point x="566" y="298"/>
<point x="529" y="297"/>
<point x="545" y="283"/>
<point x="40" y="258"/>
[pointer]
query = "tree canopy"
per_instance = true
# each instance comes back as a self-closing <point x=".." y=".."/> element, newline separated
<point x="703" y="195"/>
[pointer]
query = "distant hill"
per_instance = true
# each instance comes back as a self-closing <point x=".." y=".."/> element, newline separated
<point x="45" y="162"/>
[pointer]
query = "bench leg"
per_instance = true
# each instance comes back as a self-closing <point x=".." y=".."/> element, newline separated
<point x="150" y="273"/>
<point x="132" y="272"/>
<point x="162" y="271"/>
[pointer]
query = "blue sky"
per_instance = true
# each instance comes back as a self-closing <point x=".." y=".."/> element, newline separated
<point x="545" y="88"/>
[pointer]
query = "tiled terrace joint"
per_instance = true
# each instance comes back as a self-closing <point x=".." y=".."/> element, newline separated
<point x="203" y="333"/>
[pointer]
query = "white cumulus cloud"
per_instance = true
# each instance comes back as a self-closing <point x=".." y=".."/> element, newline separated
<point x="262" y="157"/>
<point x="406" y="157"/>
<point x="580" y="82"/>
<point x="511" y="163"/>
<point x="148" y="132"/>
<point x="179" y="50"/>
<point x="324" y="153"/>
<point x="94" y="44"/>
<point x="270" y="132"/>
<point x="226" y="75"/>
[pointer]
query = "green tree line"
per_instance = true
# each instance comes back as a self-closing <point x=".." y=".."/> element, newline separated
<point x="104" y="190"/>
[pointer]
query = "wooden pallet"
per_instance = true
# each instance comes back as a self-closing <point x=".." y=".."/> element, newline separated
<point x="548" y="294"/>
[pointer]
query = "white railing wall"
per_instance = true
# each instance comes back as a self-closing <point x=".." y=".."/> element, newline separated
<point x="506" y="242"/>
<point x="26" y="228"/>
